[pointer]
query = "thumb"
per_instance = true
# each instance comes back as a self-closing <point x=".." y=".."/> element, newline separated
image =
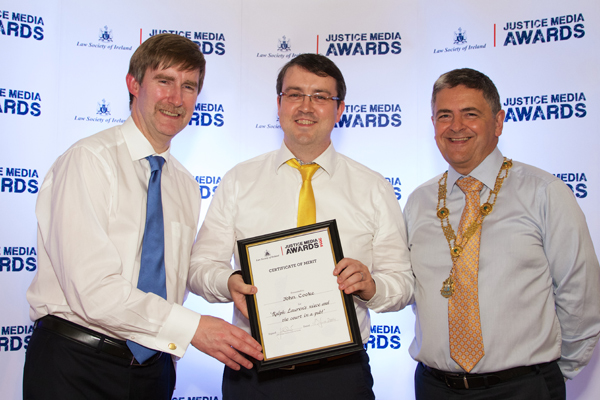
<point x="245" y="289"/>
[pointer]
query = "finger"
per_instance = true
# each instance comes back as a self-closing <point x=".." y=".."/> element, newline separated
<point x="353" y="273"/>
<point x="247" y="340"/>
<point x="366" y="290"/>
<point x="343" y="264"/>
<point x="347" y="272"/>
<point x="237" y="358"/>
<point x="352" y="267"/>
<point x="353" y="288"/>
<point x="237" y="284"/>
<point x="233" y="361"/>
<point x="246" y="289"/>
<point x="246" y="349"/>
<point x="352" y="280"/>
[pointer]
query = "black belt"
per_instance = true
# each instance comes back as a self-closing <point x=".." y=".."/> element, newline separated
<point x="472" y="381"/>
<point x="315" y="362"/>
<point x="97" y="341"/>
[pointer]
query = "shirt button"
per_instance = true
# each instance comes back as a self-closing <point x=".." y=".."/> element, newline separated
<point x="172" y="346"/>
<point x="577" y="369"/>
<point x="456" y="367"/>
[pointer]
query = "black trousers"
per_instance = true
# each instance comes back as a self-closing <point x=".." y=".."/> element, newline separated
<point x="60" y="368"/>
<point x="347" y="378"/>
<point x="547" y="384"/>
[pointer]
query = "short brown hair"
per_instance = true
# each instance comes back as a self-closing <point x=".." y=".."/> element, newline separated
<point x="165" y="51"/>
<point x="473" y="80"/>
<point x="318" y="65"/>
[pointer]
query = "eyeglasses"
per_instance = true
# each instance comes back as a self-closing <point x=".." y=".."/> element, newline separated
<point x="298" y="97"/>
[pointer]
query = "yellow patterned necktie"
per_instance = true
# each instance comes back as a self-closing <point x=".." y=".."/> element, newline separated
<point x="307" y="212"/>
<point x="466" y="341"/>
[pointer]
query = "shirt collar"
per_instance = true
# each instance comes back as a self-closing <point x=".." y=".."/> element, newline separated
<point x="139" y="147"/>
<point x="326" y="160"/>
<point x="486" y="172"/>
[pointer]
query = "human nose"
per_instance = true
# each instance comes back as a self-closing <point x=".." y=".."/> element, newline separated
<point x="307" y="103"/>
<point x="176" y="96"/>
<point x="457" y="123"/>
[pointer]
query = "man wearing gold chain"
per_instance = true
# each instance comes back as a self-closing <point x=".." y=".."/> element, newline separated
<point x="507" y="283"/>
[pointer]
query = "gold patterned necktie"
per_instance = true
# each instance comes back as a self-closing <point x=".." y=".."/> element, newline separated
<point x="307" y="212"/>
<point x="466" y="341"/>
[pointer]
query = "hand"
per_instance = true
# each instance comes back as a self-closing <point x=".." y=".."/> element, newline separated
<point x="220" y="339"/>
<point x="354" y="278"/>
<point x="238" y="290"/>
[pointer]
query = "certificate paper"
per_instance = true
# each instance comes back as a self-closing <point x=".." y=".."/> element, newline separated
<point x="298" y="314"/>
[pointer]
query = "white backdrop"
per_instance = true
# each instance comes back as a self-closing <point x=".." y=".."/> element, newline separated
<point x="63" y="78"/>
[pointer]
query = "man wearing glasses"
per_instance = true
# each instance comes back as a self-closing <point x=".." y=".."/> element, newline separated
<point x="261" y="196"/>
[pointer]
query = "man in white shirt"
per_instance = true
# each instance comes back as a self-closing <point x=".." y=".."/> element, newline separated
<point x="261" y="196"/>
<point x="100" y="333"/>
<point x="507" y="283"/>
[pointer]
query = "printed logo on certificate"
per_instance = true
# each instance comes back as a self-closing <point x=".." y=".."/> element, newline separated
<point x="299" y="314"/>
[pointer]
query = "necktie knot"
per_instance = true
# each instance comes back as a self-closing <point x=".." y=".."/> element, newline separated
<point x="469" y="184"/>
<point x="306" y="170"/>
<point x="156" y="163"/>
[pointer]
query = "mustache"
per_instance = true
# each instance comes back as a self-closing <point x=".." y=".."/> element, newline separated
<point x="171" y="109"/>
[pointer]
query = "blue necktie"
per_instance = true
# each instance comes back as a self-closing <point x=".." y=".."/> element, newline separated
<point x="152" y="277"/>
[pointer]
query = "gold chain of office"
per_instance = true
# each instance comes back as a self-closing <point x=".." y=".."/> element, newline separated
<point x="443" y="213"/>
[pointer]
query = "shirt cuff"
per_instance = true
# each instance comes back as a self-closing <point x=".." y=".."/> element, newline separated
<point x="221" y="281"/>
<point x="178" y="331"/>
<point x="378" y="300"/>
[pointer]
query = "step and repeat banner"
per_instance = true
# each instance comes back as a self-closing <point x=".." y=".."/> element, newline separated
<point x="63" y="78"/>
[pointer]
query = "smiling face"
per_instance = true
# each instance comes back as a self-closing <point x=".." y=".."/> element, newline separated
<point x="466" y="131"/>
<point x="163" y="103"/>
<point x="307" y="126"/>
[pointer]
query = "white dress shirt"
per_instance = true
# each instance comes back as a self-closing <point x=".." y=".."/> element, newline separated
<point x="539" y="279"/>
<point x="91" y="213"/>
<point x="260" y="196"/>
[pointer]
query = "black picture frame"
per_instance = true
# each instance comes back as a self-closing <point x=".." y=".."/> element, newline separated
<point x="309" y="354"/>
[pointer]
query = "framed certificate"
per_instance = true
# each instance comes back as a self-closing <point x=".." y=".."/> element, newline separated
<point x="298" y="314"/>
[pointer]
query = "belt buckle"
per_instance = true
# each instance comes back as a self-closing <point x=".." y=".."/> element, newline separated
<point x="464" y="380"/>
<point x="134" y="362"/>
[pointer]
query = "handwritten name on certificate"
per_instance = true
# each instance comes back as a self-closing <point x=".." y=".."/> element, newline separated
<point x="300" y="307"/>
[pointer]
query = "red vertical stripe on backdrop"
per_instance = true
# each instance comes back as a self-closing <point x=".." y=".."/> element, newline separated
<point x="494" y="35"/>
<point x="317" y="44"/>
<point x="140" y="35"/>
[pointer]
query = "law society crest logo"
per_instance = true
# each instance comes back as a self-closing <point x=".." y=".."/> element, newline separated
<point x="267" y="255"/>
<point x="104" y="42"/>
<point x="284" y="50"/>
<point x="102" y="114"/>
<point x="103" y="108"/>
<point x="105" y="35"/>
<point x="284" y="44"/>
<point x="460" y="37"/>
<point x="460" y="44"/>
